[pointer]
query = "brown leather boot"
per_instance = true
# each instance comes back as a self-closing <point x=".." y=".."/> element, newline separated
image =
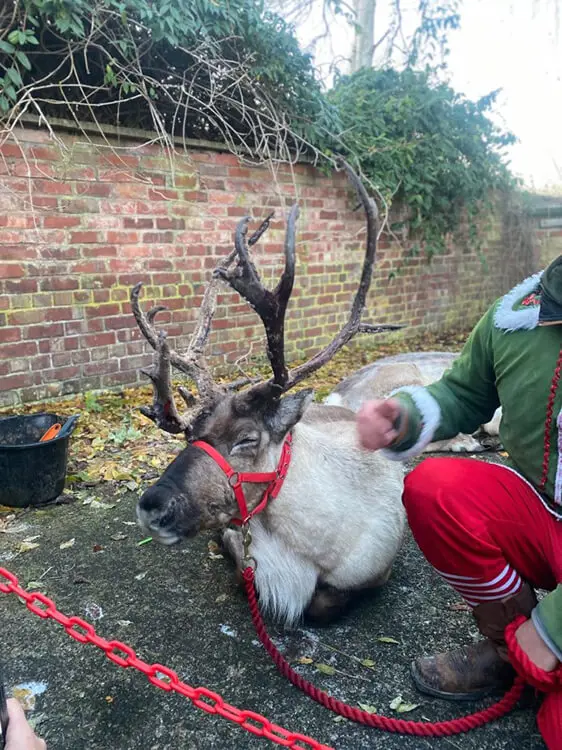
<point x="472" y="672"/>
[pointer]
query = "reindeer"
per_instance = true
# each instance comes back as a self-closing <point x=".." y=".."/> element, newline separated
<point x="320" y="517"/>
<point x="380" y="378"/>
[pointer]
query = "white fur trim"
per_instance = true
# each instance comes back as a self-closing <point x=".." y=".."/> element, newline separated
<point x="431" y="417"/>
<point x="558" y="480"/>
<point x="509" y="319"/>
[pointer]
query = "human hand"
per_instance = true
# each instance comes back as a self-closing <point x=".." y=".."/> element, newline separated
<point x="20" y="735"/>
<point x="376" y="423"/>
<point x="535" y="648"/>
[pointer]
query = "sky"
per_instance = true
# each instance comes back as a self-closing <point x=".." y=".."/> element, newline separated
<point x="512" y="45"/>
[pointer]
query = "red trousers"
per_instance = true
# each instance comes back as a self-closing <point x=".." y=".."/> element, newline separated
<point x="484" y="529"/>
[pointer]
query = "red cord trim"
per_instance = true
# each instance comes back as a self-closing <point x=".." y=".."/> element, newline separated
<point x="548" y="422"/>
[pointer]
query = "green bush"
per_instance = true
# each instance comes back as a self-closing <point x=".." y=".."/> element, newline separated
<point x="424" y="146"/>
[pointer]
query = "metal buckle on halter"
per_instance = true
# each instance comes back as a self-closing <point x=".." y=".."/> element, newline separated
<point x="248" y="560"/>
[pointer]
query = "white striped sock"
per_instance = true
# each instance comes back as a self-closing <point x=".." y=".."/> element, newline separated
<point x="476" y="590"/>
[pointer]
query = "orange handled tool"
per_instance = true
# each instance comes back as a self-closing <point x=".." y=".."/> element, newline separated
<point x="51" y="433"/>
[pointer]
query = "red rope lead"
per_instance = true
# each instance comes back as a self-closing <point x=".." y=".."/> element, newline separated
<point x="400" y="726"/>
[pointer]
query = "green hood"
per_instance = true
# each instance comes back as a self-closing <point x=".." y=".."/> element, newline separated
<point x="550" y="311"/>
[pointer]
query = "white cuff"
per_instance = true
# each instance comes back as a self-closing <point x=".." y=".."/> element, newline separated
<point x="431" y="417"/>
<point x="544" y="635"/>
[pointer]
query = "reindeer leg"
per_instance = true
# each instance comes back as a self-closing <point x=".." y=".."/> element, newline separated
<point x="233" y="545"/>
<point x="327" y="604"/>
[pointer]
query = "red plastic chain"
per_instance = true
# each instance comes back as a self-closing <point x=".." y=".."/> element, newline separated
<point x="400" y="726"/>
<point x="548" y="421"/>
<point x="158" y="675"/>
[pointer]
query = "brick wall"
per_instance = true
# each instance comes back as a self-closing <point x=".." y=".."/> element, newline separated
<point x="80" y="223"/>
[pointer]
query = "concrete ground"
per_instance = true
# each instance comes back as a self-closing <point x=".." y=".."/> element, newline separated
<point x="180" y="607"/>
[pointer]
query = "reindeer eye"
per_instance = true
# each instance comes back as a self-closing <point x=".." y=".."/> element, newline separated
<point x="246" y="443"/>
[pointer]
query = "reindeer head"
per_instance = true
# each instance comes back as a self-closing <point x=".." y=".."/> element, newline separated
<point x="247" y="427"/>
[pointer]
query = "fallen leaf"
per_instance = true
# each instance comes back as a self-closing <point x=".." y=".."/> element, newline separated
<point x="305" y="660"/>
<point x="25" y="696"/>
<point x="401" y="707"/>
<point x="387" y="639"/>
<point x="27" y="546"/>
<point x="101" y="506"/>
<point x="118" y="537"/>
<point x="97" y="548"/>
<point x="368" y="663"/>
<point x="129" y="523"/>
<point x="325" y="668"/>
<point x="124" y="623"/>
<point x="366" y="707"/>
<point x="66" y="545"/>
<point x="221" y="598"/>
<point x="32" y="538"/>
<point x="460" y="607"/>
<point x="35" y="585"/>
<point x="338" y="719"/>
<point x="140" y="576"/>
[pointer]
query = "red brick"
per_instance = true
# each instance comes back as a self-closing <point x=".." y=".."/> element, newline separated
<point x="102" y="367"/>
<point x="25" y="286"/>
<point x="82" y="238"/>
<point x="119" y="321"/>
<point x="21" y="380"/>
<point x="11" y="270"/>
<point x="52" y="187"/>
<point x="20" y="349"/>
<point x="122" y="238"/>
<point x="136" y="223"/>
<point x="45" y="331"/>
<point x="59" y="283"/>
<point x="161" y="194"/>
<point x="61" y="222"/>
<point x="99" y="251"/>
<point x="121" y="160"/>
<point x="94" y="189"/>
<point x="99" y="339"/>
<point x="44" y="153"/>
<point x="156" y="238"/>
<point x="41" y="362"/>
<point x="9" y="334"/>
<point x="102" y="311"/>
<point x="11" y="150"/>
<point x="43" y="201"/>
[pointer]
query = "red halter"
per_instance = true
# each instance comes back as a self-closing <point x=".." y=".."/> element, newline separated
<point x="237" y="478"/>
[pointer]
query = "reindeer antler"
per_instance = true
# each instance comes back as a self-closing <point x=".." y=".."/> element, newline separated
<point x="164" y="411"/>
<point x="272" y="306"/>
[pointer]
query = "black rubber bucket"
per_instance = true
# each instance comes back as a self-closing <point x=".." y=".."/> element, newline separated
<point x="32" y="472"/>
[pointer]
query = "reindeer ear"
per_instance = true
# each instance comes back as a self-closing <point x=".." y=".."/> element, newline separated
<point x="283" y="414"/>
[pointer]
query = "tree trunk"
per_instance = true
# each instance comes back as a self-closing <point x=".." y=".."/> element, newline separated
<point x="363" y="43"/>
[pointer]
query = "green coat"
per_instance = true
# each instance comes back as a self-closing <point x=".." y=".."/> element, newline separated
<point x="508" y="360"/>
